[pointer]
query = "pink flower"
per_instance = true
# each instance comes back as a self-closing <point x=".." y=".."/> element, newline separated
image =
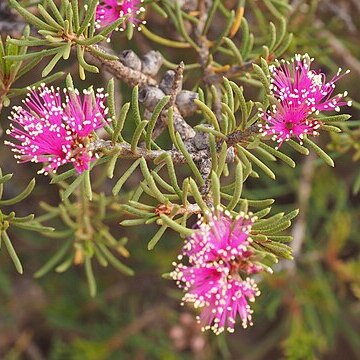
<point x="57" y="132"/>
<point x="300" y="92"/>
<point x="109" y="11"/>
<point x="218" y="253"/>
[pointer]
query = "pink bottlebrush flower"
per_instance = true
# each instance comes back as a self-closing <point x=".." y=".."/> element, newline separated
<point x="54" y="131"/>
<point x="231" y="300"/>
<point x="286" y="121"/>
<point x="109" y="11"/>
<point x="220" y="236"/>
<point x="300" y="92"/>
<point x="218" y="251"/>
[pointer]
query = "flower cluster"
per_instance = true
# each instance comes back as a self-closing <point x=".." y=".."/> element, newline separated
<point x="56" y="132"/>
<point x="108" y="11"/>
<point x="300" y="93"/>
<point x="216" y="279"/>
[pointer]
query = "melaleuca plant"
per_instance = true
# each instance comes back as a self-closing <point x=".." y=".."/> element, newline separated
<point x="203" y="125"/>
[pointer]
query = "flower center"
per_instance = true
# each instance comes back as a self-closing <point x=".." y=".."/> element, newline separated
<point x="289" y="125"/>
<point x="238" y="265"/>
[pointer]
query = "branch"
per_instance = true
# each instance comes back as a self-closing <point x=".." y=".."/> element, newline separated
<point x="240" y="136"/>
<point x="124" y="151"/>
<point x="338" y="47"/>
<point x="304" y="193"/>
<point x="116" y="68"/>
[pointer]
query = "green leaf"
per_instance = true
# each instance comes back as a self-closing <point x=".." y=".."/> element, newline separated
<point x="234" y="49"/>
<point x="208" y="130"/>
<point x="155" y="239"/>
<point x="238" y="186"/>
<point x="175" y="226"/>
<point x="124" y="177"/>
<point x="137" y="135"/>
<point x="278" y="154"/>
<point x="120" y="122"/>
<point x="320" y="152"/>
<point x="208" y="113"/>
<point x="154" y="117"/>
<point x="215" y="189"/>
<point x="259" y="163"/>
<point x="55" y="11"/>
<point x="21" y="196"/>
<point x="113" y="26"/>
<point x="90" y="11"/>
<point x="262" y="77"/>
<point x="117" y="264"/>
<point x="87" y="185"/>
<point x="48" y="18"/>
<point x="150" y="182"/>
<point x="30" y="18"/>
<point x="90" y="276"/>
<point x="12" y="252"/>
<point x="52" y="63"/>
<point x="135" y="105"/>
<point x="54" y="260"/>
<point x="73" y="186"/>
<point x="182" y="29"/>
<point x="335" y="118"/>
<point x="61" y="177"/>
<point x="299" y="148"/>
<point x="83" y="63"/>
<point x="34" y="226"/>
<point x="197" y="196"/>
<point x="189" y="159"/>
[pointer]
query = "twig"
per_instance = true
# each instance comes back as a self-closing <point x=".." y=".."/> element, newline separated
<point x="304" y="192"/>
<point x="240" y="136"/>
<point x="115" y="67"/>
<point x="124" y="151"/>
<point x="176" y="83"/>
<point x="234" y="71"/>
<point x="338" y="47"/>
<point x="161" y="125"/>
<point x="149" y="316"/>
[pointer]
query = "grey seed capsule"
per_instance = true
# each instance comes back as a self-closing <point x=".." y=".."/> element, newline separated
<point x="167" y="82"/>
<point x="130" y="59"/>
<point x="201" y="139"/>
<point x="185" y="102"/>
<point x="149" y="96"/>
<point x="151" y="63"/>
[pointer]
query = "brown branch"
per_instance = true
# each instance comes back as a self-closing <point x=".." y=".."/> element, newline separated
<point x="176" y="83"/>
<point x="116" y="68"/>
<point x="304" y="193"/>
<point x="145" y="319"/>
<point x="339" y="48"/>
<point x="240" y="136"/>
<point x="181" y="126"/>
<point x="232" y="72"/>
<point x="123" y="150"/>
